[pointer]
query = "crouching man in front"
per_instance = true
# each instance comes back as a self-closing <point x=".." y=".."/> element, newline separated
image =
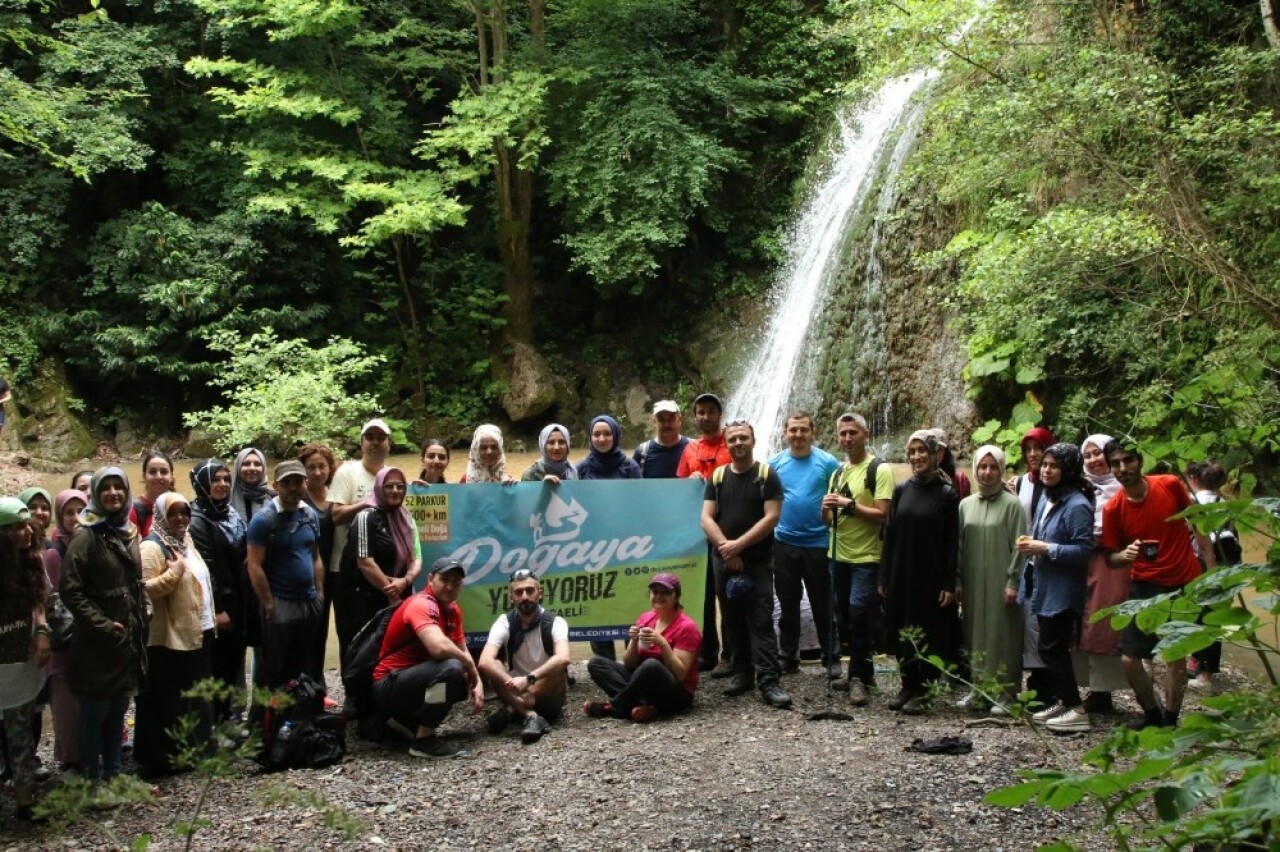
<point x="424" y="668"/>
<point x="534" y="680"/>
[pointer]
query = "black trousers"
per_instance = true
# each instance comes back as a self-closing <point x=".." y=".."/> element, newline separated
<point x="161" y="705"/>
<point x="288" y="642"/>
<point x="1058" y="633"/>
<point x="651" y="682"/>
<point x="748" y="623"/>
<point x="794" y="569"/>
<point x="422" y="694"/>
<point x="711" y="644"/>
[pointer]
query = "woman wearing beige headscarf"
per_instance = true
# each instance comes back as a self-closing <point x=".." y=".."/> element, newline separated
<point x="990" y="522"/>
<point x="1097" y="659"/>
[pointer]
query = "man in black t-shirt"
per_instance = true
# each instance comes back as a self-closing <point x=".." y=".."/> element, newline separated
<point x="740" y="508"/>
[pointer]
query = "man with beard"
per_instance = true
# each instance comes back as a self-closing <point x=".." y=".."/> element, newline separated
<point x="423" y="667"/>
<point x="740" y="508"/>
<point x="701" y="457"/>
<point x="526" y="660"/>
<point x="1140" y="533"/>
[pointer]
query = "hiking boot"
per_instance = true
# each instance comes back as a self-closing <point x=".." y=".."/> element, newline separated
<point x="1047" y="714"/>
<point x="1069" y="722"/>
<point x="643" y="714"/>
<point x="739" y="686"/>
<point x="775" y="696"/>
<point x="722" y="671"/>
<point x="917" y="705"/>
<point x="904" y="695"/>
<point x="598" y="709"/>
<point x="499" y="720"/>
<point x="858" y="693"/>
<point x="835" y="671"/>
<point x="1169" y="719"/>
<point x="790" y="665"/>
<point x="533" y="729"/>
<point x="435" y="747"/>
<point x="1148" y="719"/>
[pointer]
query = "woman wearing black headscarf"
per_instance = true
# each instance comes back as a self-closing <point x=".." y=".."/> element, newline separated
<point x="218" y="534"/>
<point x="102" y="587"/>
<point x="919" y="569"/>
<point x="1059" y="547"/>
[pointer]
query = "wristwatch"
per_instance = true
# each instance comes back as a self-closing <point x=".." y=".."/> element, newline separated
<point x="531" y="678"/>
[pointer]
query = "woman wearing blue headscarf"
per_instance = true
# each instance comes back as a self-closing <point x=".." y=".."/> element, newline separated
<point x="553" y="464"/>
<point x="102" y="587"/>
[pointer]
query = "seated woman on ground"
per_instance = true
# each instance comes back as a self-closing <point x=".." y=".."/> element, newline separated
<point x="487" y="462"/>
<point x="658" y="674"/>
<point x="435" y="459"/>
<point x="553" y="466"/>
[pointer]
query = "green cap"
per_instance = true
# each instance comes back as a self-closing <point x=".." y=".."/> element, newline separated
<point x="13" y="511"/>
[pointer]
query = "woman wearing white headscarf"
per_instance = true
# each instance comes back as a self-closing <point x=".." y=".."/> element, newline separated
<point x="1097" y="659"/>
<point x="990" y="522"/>
<point x="179" y="636"/>
<point x="487" y="462"/>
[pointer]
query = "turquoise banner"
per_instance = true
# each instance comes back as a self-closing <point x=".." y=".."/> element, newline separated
<point x="594" y="546"/>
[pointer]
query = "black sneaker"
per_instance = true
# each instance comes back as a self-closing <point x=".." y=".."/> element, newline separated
<point x="1099" y="702"/>
<point x="433" y="746"/>
<point x="533" y="729"/>
<point x="904" y="695"/>
<point x="499" y="720"/>
<point x="1149" y="719"/>
<point x="738" y="686"/>
<point x="1169" y="719"/>
<point x="723" y="670"/>
<point x="775" y="696"/>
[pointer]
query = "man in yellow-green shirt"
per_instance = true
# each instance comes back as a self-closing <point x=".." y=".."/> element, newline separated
<point x="860" y="513"/>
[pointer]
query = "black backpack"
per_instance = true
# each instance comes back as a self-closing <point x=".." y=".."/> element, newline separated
<point x="516" y="634"/>
<point x="363" y="654"/>
<point x="301" y="735"/>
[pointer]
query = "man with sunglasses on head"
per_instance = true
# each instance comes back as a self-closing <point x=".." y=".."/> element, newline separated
<point x="533" y="680"/>
<point x="701" y="457"/>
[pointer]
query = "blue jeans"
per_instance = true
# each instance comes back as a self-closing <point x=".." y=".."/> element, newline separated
<point x="101" y="720"/>
<point x="864" y="597"/>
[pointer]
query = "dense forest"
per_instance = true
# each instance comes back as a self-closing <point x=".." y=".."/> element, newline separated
<point x="485" y="209"/>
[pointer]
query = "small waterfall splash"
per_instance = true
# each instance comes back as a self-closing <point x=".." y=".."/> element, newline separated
<point x="775" y="379"/>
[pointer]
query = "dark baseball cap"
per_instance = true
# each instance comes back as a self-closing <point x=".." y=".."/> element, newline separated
<point x="709" y="397"/>
<point x="446" y="564"/>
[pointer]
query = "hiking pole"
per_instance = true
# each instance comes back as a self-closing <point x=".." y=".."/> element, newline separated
<point x="830" y="714"/>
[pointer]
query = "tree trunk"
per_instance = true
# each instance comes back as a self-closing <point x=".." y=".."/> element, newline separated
<point x="1269" y="23"/>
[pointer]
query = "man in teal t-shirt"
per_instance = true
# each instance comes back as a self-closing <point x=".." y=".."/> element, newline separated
<point x="860" y="516"/>
<point x="800" y="542"/>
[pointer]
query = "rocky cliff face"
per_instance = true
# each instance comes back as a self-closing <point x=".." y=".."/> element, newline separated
<point x="41" y="423"/>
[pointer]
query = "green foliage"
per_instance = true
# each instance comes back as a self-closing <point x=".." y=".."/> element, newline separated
<point x="1211" y="782"/>
<point x="284" y="393"/>
<point x="1120" y="259"/>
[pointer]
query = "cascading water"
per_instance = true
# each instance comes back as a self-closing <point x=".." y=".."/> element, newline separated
<point x="779" y="376"/>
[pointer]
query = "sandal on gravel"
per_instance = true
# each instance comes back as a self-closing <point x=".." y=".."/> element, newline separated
<point x="942" y="745"/>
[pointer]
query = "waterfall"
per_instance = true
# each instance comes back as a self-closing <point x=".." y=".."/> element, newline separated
<point x="781" y="374"/>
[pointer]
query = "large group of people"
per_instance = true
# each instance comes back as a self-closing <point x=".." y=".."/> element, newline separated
<point x="999" y="576"/>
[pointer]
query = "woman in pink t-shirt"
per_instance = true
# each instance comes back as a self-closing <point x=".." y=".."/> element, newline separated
<point x="658" y="674"/>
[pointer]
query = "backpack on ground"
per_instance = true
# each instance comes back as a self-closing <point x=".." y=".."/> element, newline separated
<point x="299" y="734"/>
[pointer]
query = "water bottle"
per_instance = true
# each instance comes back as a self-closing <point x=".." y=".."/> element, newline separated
<point x="279" y="755"/>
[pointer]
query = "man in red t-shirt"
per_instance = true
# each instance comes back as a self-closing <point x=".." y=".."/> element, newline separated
<point x="1140" y="533"/>
<point x="701" y="457"/>
<point x="424" y="668"/>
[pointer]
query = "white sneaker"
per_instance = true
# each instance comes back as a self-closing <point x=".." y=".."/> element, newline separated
<point x="1048" y="713"/>
<point x="1203" y="682"/>
<point x="1069" y="722"/>
<point x="999" y="709"/>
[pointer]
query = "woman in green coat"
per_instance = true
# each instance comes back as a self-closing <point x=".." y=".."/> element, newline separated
<point x="990" y="522"/>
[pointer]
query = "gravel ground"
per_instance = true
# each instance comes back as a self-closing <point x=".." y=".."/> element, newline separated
<point x="732" y="774"/>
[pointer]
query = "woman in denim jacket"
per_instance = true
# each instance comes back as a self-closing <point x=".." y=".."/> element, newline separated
<point x="1060" y="545"/>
